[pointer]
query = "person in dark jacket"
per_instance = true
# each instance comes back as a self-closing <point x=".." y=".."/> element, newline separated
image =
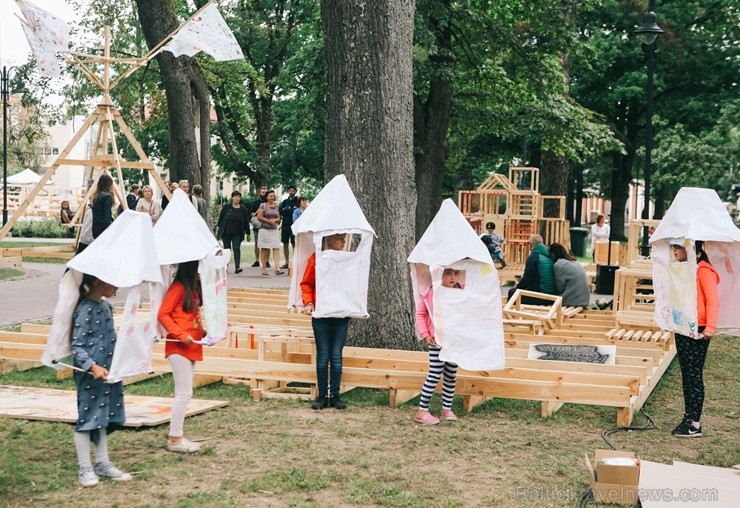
<point x="538" y="273"/>
<point x="102" y="205"/>
<point x="233" y="224"/>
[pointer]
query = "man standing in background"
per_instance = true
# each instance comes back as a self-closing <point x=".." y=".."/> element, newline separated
<point x="262" y="198"/>
<point x="287" y="207"/>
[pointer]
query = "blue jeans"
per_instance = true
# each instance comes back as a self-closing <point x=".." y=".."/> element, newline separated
<point x="234" y="243"/>
<point x="330" y="334"/>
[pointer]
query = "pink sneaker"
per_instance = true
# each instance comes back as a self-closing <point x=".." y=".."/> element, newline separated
<point x="426" y="418"/>
<point x="448" y="415"/>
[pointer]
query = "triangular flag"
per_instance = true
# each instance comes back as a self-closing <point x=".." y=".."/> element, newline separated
<point x="206" y="31"/>
<point x="51" y="31"/>
<point x="45" y="55"/>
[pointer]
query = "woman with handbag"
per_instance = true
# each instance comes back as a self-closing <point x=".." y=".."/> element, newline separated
<point x="269" y="239"/>
<point x="233" y="224"/>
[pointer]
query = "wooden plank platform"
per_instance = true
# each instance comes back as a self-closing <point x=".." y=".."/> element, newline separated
<point x="271" y="347"/>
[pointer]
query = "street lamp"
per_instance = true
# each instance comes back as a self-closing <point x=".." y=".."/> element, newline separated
<point x="648" y="31"/>
<point x="5" y="91"/>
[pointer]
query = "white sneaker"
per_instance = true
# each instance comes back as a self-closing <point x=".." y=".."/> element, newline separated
<point x="87" y="477"/>
<point x="184" y="446"/>
<point x="108" y="470"/>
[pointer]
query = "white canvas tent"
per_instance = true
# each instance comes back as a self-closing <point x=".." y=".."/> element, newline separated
<point x="26" y="177"/>
<point x="182" y="235"/>
<point x="124" y="256"/>
<point x="341" y="276"/>
<point x="468" y="322"/>
<point x="695" y="214"/>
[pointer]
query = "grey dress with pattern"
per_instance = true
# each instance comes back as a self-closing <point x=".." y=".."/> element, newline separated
<point x="99" y="404"/>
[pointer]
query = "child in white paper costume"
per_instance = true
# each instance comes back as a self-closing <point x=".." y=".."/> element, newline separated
<point x="437" y="367"/>
<point x="179" y="316"/>
<point x="330" y="334"/>
<point x="100" y="406"/>
<point x="458" y="305"/>
<point x="693" y="351"/>
<point x="331" y="268"/>
<point x="696" y="262"/>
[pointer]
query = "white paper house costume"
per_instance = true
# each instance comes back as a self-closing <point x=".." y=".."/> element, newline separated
<point x="182" y="235"/>
<point x="124" y="256"/>
<point x="468" y="322"/>
<point x="695" y="214"/>
<point x="341" y="276"/>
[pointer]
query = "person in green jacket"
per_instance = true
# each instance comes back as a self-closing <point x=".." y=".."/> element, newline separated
<point x="538" y="273"/>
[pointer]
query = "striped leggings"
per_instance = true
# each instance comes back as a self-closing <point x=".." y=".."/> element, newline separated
<point x="437" y="369"/>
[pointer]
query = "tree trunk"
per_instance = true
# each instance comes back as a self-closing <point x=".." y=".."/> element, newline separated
<point x="188" y="103"/>
<point x="369" y="138"/>
<point x="431" y="121"/>
<point x="553" y="181"/>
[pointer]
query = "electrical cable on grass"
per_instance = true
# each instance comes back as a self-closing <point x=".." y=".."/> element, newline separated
<point x="587" y="496"/>
<point x="648" y="426"/>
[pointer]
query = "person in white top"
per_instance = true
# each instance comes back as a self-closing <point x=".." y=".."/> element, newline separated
<point x="599" y="233"/>
<point x="148" y="205"/>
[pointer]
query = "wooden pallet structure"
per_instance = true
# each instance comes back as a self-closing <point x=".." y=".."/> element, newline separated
<point x="516" y="206"/>
<point x="273" y="349"/>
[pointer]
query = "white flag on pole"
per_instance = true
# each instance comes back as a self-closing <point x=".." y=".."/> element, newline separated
<point x="207" y="32"/>
<point x="50" y="30"/>
<point x="45" y="56"/>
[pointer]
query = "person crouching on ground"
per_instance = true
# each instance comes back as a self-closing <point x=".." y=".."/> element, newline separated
<point x="437" y="367"/>
<point x="330" y="334"/>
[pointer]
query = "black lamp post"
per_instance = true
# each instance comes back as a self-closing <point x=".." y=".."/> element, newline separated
<point x="648" y="31"/>
<point x="5" y="91"/>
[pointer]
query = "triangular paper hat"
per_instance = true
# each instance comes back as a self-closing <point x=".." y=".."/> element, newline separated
<point x="123" y="255"/>
<point x="334" y="208"/>
<point x="449" y="238"/>
<point x="697" y="214"/>
<point x="344" y="284"/>
<point x="181" y="234"/>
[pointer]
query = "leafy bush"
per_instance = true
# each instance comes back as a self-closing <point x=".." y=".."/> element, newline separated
<point x="45" y="228"/>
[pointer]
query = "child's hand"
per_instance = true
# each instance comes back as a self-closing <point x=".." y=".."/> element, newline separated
<point x="430" y="341"/>
<point x="99" y="373"/>
<point x="308" y="309"/>
<point x="188" y="340"/>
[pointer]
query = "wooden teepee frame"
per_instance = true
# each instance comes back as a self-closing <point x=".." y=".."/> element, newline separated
<point x="105" y="154"/>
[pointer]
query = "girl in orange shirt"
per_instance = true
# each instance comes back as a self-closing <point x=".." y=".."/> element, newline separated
<point x="692" y="352"/>
<point x="330" y="333"/>
<point x="179" y="316"/>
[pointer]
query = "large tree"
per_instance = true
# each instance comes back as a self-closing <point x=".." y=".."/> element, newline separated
<point x="369" y="138"/>
<point x="188" y="101"/>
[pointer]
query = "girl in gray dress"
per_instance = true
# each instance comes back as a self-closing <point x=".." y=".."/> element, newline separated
<point x="99" y="404"/>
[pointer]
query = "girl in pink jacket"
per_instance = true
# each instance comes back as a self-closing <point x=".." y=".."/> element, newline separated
<point x="692" y="352"/>
<point x="437" y="368"/>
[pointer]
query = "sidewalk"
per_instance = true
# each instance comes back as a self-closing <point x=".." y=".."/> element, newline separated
<point x="34" y="296"/>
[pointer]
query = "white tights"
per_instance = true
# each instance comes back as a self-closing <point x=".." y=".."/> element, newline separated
<point x="82" y="445"/>
<point x="183" y="371"/>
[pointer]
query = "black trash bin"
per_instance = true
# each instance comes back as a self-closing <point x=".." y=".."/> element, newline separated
<point x="578" y="241"/>
<point x="605" y="279"/>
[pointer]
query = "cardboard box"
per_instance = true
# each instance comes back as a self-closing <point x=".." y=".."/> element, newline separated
<point x="614" y="484"/>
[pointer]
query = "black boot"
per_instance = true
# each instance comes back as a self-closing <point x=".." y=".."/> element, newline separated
<point x="337" y="402"/>
<point x="503" y="264"/>
<point x="321" y="402"/>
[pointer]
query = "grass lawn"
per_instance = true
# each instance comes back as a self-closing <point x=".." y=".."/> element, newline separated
<point x="281" y="453"/>
<point x="10" y="273"/>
